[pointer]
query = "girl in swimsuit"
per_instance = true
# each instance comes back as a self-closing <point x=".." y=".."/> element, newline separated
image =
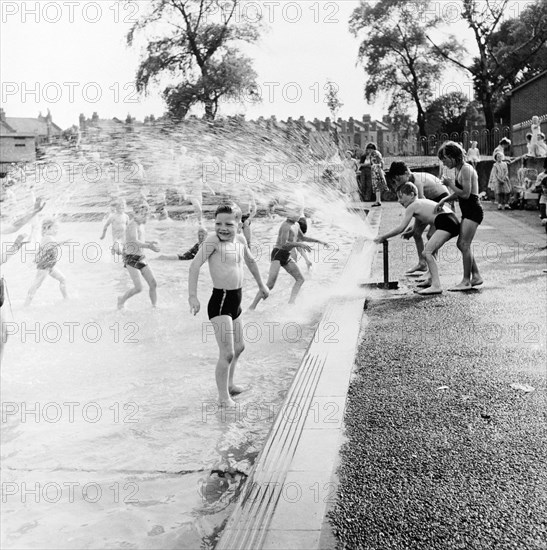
<point x="466" y="189"/>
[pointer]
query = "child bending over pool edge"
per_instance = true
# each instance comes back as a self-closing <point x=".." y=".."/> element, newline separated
<point x="225" y="251"/>
<point x="445" y="224"/>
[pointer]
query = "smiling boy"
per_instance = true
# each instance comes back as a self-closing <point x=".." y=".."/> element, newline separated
<point x="225" y="251"/>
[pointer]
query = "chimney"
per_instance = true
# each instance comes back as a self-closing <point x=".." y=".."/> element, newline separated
<point x="343" y="125"/>
<point x="302" y="121"/>
<point x="327" y="123"/>
<point x="317" y="124"/>
<point x="95" y="117"/>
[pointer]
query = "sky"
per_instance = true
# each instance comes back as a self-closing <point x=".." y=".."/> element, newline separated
<point x="71" y="57"/>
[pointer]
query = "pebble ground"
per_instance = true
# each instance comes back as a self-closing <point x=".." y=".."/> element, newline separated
<point x="447" y="412"/>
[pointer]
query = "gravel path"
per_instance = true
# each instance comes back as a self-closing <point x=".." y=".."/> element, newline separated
<point x="446" y="419"/>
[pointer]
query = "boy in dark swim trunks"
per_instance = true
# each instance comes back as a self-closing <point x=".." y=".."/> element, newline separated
<point x="290" y="236"/>
<point x="446" y="226"/>
<point x="46" y="260"/>
<point x="133" y="258"/>
<point x="225" y="251"/>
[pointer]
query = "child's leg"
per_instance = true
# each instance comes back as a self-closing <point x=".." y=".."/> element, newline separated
<point x="292" y="269"/>
<point x="468" y="229"/>
<point x="542" y="210"/>
<point x="239" y="346"/>
<point x="196" y="203"/>
<point x="419" y="241"/>
<point x="272" y="278"/>
<point x="57" y="275"/>
<point x="224" y="334"/>
<point x="304" y="255"/>
<point x="150" y="279"/>
<point x="438" y="239"/>
<point x="137" y="286"/>
<point x="41" y="274"/>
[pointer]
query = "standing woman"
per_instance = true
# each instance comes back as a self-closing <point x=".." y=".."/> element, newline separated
<point x="365" y="166"/>
<point x="466" y="189"/>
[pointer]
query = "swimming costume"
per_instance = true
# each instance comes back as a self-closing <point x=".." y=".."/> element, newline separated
<point x="134" y="260"/>
<point x="440" y="197"/>
<point x="225" y="302"/>
<point x="447" y="222"/>
<point x="281" y="255"/>
<point x="189" y="254"/>
<point x="245" y="217"/>
<point x="471" y="207"/>
<point x="303" y="223"/>
<point x="47" y="257"/>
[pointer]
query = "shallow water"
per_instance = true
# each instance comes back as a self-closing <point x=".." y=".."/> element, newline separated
<point x="126" y="431"/>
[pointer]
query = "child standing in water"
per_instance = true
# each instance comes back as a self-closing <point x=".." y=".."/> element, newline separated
<point x="189" y="254"/>
<point x="119" y="221"/>
<point x="46" y="260"/>
<point x="289" y="237"/>
<point x="225" y="251"/>
<point x="466" y="189"/>
<point x="134" y="259"/>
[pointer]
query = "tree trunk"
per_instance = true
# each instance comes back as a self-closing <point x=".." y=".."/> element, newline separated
<point x="209" y="110"/>
<point x="421" y="128"/>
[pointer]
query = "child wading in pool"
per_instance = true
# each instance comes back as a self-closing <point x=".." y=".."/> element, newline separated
<point x="119" y="221"/>
<point x="225" y="252"/>
<point x="446" y="226"/>
<point x="46" y="259"/>
<point x="289" y="237"/>
<point x="133" y="258"/>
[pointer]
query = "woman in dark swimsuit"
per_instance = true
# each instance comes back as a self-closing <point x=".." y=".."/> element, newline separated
<point x="466" y="190"/>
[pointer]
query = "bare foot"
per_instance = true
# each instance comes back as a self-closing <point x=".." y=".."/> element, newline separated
<point x="430" y="290"/>
<point x="424" y="284"/>
<point x="476" y="281"/>
<point x="120" y="303"/>
<point x="227" y="403"/>
<point x="418" y="267"/>
<point x="462" y="287"/>
<point x="235" y="390"/>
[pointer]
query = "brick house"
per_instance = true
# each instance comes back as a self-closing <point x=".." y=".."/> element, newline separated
<point x="42" y="128"/>
<point x="528" y="100"/>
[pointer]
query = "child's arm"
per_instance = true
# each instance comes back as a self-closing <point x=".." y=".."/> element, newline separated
<point x="133" y="238"/>
<point x="284" y="240"/>
<point x="209" y="246"/>
<point x="5" y="253"/>
<point x="17" y="224"/>
<point x="253" y="268"/>
<point x="409" y="212"/>
<point x="302" y="237"/>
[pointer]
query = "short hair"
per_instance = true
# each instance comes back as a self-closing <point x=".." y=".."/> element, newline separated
<point x="397" y="168"/>
<point x="505" y="141"/>
<point x="371" y="145"/>
<point x="229" y="208"/>
<point x="452" y="150"/>
<point x="499" y="154"/>
<point x="529" y="136"/>
<point x="407" y="188"/>
<point x="48" y="223"/>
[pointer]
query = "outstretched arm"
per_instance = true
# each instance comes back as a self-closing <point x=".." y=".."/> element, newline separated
<point x="409" y="212"/>
<point x="17" y="224"/>
<point x="253" y="268"/>
<point x="205" y="250"/>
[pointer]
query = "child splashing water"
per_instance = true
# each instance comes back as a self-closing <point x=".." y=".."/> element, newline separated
<point x="46" y="260"/>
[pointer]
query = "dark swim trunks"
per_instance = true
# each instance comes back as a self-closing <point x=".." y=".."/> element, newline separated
<point x="303" y="223"/>
<point x="471" y="207"/>
<point x="47" y="257"/>
<point x="448" y="222"/>
<point x="440" y="197"/>
<point x="225" y="302"/>
<point x="134" y="260"/>
<point x="245" y="217"/>
<point x="281" y="255"/>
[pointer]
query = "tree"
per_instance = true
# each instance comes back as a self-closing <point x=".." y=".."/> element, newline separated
<point x="396" y="55"/>
<point x="511" y="50"/>
<point x="447" y="114"/>
<point x="200" y="52"/>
